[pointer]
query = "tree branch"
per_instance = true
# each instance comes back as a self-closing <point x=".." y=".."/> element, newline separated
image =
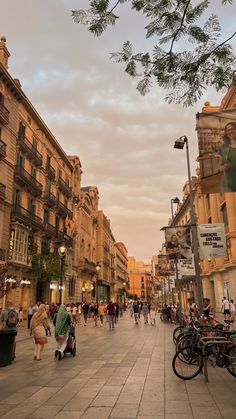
<point x="179" y="29"/>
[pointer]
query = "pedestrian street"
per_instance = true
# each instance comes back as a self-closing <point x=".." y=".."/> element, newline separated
<point x="119" y="373"/>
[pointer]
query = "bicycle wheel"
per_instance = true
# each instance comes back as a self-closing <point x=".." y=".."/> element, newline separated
<point x="184" y="341"/>
<point x="187" y="363"/>
<point x="231" y="360"/>
<point x="178" y="330"/>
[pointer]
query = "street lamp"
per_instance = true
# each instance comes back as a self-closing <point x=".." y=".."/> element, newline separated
<point x="180" y="145"/>
<point x="174" y="201"/>
<point x="98" y="267"/>
<point x="62" y="253"/>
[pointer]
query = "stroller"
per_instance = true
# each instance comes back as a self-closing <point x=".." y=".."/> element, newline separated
<point x="71" y="342"/>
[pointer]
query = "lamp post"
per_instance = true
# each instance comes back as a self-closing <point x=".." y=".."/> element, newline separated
<point x="62" y="253"/>
<point x="98" y="267"/>
<point x="179" y="144"/>
<point x="173" y="201"/>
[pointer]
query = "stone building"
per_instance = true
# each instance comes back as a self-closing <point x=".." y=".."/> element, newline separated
<point x="106" y="258"/>
<point x="140" y="279"/>
<point x="218" y="275"/>
<point x="121" y="266"/>
<point x="37" y="194"/>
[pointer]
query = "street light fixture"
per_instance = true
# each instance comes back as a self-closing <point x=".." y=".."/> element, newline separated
<point x="180" y="145"/>
<point x="62" y="253"/>
<point x="175" y="200"/>
<point x="98" y="267"/>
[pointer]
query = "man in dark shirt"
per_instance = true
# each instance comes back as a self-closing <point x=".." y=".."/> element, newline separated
<point x="85" y="309"/>
<point x="111" y="314"/>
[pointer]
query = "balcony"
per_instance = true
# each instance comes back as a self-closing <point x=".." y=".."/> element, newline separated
<point x="61" y="209"/>
<point x="51" y="171"/>
<point x="64" y="187"/>
<point x="86" y="265"/>
<point x="26" y="180"/>
<point x="4" y="115"/>
<point x="3" y="151"/>
<point x="2" y="191"/>
<point x="49" y="199"/>
<point x="31" y="151"/>
<point x="26" y="217"/>
<point x="50" y="230"/>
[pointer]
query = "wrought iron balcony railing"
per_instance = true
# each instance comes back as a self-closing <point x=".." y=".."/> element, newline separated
<point x="49" y="199"/>
<point x="3" y="150"/>
<point x="4" y="114"/>
<point x="27" y="180"/>
<point x="2" y="191"/>
<point x="28" y="148"/>
<point x="27" y="217"/>
<point x="51" y="171"/>
<point x="64" y="187"/>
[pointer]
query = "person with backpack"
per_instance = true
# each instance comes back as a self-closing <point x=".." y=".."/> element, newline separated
<point x="8" y="322"/>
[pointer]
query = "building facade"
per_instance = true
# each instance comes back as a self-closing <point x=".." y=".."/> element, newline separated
<point x="140" y="279"/>
<point x="121" y="272"/>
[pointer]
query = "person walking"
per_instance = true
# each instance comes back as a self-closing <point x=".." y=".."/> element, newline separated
<point x="101" y="312"/>
<point x="232" y="309"/>
<point x="30" y="313"/>
<point x="225" y="308"/>
<point x="85" y="309"/>
<point x="21" y="317"/>
<point x="136" y="312"/>
<point x="145" y="312"/>
<point x="62" y="321"/>
<point x="121" y="309"/>
<point x="111" y="314"/>
<point x="39" y="326"/>
<point x="152" y="315"/>
<point x="94" y="311"/>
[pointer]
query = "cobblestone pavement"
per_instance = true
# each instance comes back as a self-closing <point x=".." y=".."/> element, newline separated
<point x="120" y="373"/>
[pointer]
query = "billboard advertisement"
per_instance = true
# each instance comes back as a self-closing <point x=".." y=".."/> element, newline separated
<point x="165" y="266"/>
<point x="217" y="151"/>
<point x="212" y="241"/>
<point x="178" y="242"/>
<point x="186" y="267"/>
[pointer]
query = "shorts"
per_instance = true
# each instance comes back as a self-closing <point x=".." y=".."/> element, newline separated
<point x="226" y="311"/>
<point x="136" y="315"/>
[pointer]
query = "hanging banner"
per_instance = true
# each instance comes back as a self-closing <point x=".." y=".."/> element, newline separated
<point x="165" y="266"/>
<point x="217" y="151"/>
<point x="186" y="267"/>
<point x="178" y="243"/>
<point x="212" y="242"/>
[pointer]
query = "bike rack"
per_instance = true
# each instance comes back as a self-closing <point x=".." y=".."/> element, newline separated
<point x="207" y="341"/>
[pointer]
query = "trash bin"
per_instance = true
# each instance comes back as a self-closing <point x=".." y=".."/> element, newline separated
<point x="7" y="342"/>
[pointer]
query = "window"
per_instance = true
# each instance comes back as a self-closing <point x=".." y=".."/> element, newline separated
<point x="21" y="133"/>
<point x="48" y="160"/>
<point x="20" y="161"/>
<point x="20" y="242"/>
<point x="71" y="288"/>
<point x="46" y="215"/>
<point x="31" y="206"/>
<point x="35" y="143"/>
<point x="45" y="247"/>
<point x="33" y="172"/>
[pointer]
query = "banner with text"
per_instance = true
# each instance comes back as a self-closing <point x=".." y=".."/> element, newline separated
<point x="217" y="151"/>
<point x="186" y="267"/>
<point x="178" y="242"/>
<point x="212" y="242"/>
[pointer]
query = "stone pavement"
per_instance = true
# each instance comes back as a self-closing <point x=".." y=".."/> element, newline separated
<point x="120" y="373"/>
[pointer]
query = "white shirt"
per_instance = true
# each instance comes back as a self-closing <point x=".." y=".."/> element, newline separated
<point x="232" y="307"/>
<point x="225" y="304"/>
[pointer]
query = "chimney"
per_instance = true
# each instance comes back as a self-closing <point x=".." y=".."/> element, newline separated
<point x="4" y="53"/>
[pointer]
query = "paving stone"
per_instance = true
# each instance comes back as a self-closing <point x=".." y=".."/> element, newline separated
<point x="45" y="412"/>
<point x="96" y="413"/>
<point x="125" y="411"/>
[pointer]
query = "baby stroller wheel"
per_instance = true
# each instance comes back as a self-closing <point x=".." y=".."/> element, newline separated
<point x="56" y="353"/>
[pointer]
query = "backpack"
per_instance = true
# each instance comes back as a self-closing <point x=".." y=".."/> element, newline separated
<point x="12" y="318"/>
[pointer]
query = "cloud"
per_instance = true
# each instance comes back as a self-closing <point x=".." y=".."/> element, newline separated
<point x="124" y="141"/>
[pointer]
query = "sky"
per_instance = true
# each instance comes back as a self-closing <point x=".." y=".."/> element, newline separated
<point x="124" y="140"/>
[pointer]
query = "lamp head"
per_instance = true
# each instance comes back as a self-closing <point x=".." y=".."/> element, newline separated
<point x="98" y="267"/>
<point x="180" y="143"/>
<point x="176" y="200"/>
<point x="62" y="250"/>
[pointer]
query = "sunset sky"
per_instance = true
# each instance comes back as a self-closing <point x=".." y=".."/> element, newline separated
<point x="124" y="141"/>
